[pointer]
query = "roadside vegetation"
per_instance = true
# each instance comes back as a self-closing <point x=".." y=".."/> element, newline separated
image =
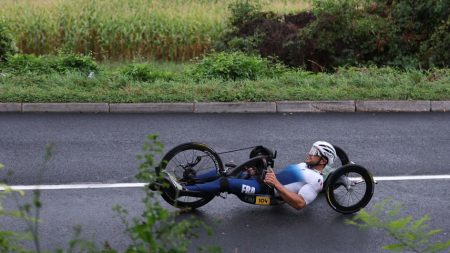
<point x="223" y="50"/>
<point x="157" y="229"/>
<point x="118" y="30"/>
<point x="410" y="235"/>
<point x="220" y="77"/>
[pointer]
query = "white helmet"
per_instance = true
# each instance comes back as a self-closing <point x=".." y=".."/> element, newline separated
<point x="324" y="149"/>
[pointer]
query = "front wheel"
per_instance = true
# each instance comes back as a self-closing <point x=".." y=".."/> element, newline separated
<point x="349" y="188"/>
<point x="185" y="162"/>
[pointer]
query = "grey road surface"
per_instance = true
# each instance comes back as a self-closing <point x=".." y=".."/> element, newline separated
<point x="239" y="227"/>
<point x="102" y="148"/>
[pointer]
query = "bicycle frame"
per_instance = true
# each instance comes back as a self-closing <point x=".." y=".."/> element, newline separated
<point x="260" y="162"/>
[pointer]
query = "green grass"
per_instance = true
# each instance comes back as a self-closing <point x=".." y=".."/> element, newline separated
<point x="111" y="85"/>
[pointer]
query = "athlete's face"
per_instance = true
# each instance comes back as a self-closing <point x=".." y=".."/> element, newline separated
<point x="313" y="157"/>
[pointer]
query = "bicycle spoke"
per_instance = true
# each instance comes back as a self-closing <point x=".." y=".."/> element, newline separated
<point x="178" y="163"/>
<point x="341" y="195"/>
<point x="201" y="163"/>
<point x="193" y="156"/>
<point x="353" y="197"/>
<point x="355" y="193"/>
<point x="358" y="194"/>
<point x="177" y="166"/>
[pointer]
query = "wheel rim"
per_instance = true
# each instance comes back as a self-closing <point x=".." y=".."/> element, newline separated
<point x="185" y="165"/>
<point x="350" y="190"/>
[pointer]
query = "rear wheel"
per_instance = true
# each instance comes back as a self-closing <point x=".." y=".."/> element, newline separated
<point x="185" y="162"/>
<point x="349" y="188"/>
<point x="342" y="155"/>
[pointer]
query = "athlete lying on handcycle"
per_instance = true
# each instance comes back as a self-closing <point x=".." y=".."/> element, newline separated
<point x="297" y="184"/>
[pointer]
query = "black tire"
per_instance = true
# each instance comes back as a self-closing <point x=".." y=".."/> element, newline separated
<point x="343" y="157"/>
<point x="356" y="196"/>
<point x="173" y="162"/>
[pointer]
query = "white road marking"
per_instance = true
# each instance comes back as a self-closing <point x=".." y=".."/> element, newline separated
<point x="74" y="186"/>
<point x="137" y="185"/>
<point x="402" y="178"/>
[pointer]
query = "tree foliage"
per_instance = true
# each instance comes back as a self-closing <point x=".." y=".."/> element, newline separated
<point x="400" y="33"/>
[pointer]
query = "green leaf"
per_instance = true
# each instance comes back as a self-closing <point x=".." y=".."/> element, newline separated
<point x="433" y="232"/>
<point x="420" y="223"/>
<point x="395" y="247"/>
<point x="395" y="209"/>
<point x="439" y="246"/>
<point x="399" y="224"/>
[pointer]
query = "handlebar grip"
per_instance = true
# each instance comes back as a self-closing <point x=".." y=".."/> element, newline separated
<point x="263" y="175"/>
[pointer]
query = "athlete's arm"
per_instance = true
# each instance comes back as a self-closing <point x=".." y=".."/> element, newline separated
<point x="293" y="199"/>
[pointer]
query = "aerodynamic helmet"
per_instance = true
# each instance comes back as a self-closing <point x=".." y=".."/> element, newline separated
<point x="324" y="149"/>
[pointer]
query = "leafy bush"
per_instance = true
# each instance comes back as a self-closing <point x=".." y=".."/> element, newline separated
<point x="435" y="52"/>
<point x="235" y="66"/>
<point x="416" y="20"/>
<point x="401" y="33"/>
<point x="243" y="11"/>
<point x="7" y="45"/>
<point x="25" y="63"/>
<point x="145" y="73"/>
<point x="343" y="33"/>
<point x="379" y="31"/>
<point x="411" y="235"/>
<point x="74" y="62"/>
<point x="248" y="44"/>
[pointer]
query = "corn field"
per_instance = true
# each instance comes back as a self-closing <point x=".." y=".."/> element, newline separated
<point x="173" y="30"/>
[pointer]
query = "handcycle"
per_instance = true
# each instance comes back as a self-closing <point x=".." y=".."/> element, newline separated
<point x="348" y="188"/>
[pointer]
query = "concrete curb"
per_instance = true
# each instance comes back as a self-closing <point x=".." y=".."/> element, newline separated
<point x="66" y="107"/>
<point x="233" y="107"/>
<point x="393" y="106"/>
<point x="315" y="106"/>
<point x="238" y="107"/>
<point x="440" y="106"/>
<point x="152" y="108"/>
<point x="10" y="107"/>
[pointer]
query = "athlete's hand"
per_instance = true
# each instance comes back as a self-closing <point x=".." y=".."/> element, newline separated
<point x="271" y="179"/>
<point x="250" y="171"/>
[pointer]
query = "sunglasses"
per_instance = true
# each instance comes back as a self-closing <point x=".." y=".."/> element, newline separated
<point x="314" y="152"/>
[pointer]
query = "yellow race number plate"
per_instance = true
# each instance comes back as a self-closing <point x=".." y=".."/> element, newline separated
<point x="262" y="200"/>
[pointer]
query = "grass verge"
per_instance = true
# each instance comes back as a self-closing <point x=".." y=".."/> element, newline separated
<point x="114" y="85"/>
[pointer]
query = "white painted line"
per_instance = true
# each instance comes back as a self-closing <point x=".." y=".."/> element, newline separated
<point x="402" y="178"/>
<point x="74" y="186"/>
<point x="137" y="185"/>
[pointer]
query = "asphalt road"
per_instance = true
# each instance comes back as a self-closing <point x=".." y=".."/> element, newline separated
<point x="103" y="148"/>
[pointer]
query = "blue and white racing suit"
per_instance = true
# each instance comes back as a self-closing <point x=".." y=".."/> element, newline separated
<point x="296" y="178"/>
